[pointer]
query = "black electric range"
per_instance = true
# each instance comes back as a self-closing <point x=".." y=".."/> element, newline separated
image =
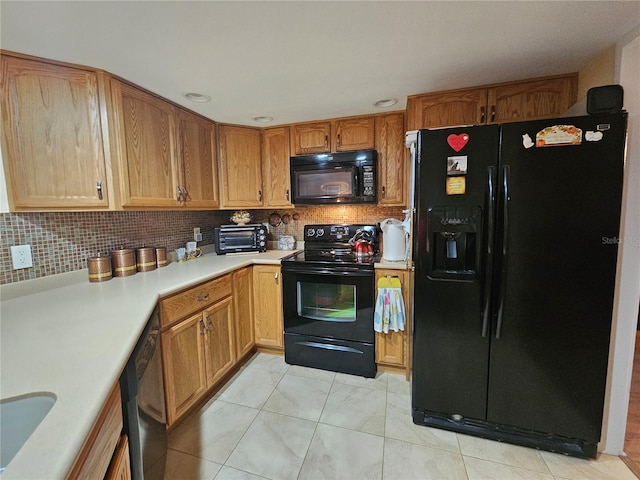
<point x="329" y="298"/>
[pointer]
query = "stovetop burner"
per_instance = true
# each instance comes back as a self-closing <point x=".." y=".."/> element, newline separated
<point x="327" y="245"/>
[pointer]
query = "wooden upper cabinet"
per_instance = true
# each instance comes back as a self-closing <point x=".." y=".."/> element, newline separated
<point x="446" y="109"/>
<point x="311" y="138"/>
<point x="392" y="153"/>
<point x="240" y="158"/>
<point x="530" y="100"/>
<point x="53" y="132"/>
<point x="197" y="155"/>
<point x="275" y="164"/>
<point x="355" y="134"/>
<point x="147" y="148"/>
<point x="340" y="135"/>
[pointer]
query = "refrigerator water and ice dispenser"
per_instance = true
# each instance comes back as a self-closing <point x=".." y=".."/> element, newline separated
<point x="455" y="239"/>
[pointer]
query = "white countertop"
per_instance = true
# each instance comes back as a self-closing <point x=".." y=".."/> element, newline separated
<point x="73" y="339"/>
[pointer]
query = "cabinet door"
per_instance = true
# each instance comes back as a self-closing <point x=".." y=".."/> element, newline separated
<point x="543" y="98"/>
<point x="275" y="162"/>
<point x="267" y="304"/>
<point x="311" y="138"/>
<point x="219" y="349"/>
<point x="392" y="348"/>
<point x="197" y="155"/>
<point x="447" y="109"/>
<point x="120" y="468"/>
<point x="146" y="137"/>
<point x="53" y="146"/>
<point x="243" y="302"/>
<point x="184" y="365"/>
<point x="240" y="164"/>
<point x="355" y="134"/>
<point x="391" y="159"/>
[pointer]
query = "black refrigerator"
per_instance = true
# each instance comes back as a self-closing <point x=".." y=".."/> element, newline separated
<point x="515" y="249"/>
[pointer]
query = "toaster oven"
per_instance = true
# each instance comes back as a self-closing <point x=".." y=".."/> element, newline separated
<point x="240" y="238"/>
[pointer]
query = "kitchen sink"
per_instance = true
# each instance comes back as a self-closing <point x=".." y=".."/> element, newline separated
<point x="19" y="418"/>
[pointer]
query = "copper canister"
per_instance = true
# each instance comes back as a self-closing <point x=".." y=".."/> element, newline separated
<point x="161" y="256"/>
<point x="146" y="259"/>
<point x="99" y="268"/>
<point x="124" y="262"/>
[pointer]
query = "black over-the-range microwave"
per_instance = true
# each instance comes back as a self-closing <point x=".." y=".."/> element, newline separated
<point x="240" y="238"/>
<point x="345" y="177"/>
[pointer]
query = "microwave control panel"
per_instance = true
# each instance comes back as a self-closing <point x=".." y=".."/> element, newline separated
<point x="368" y="181"/>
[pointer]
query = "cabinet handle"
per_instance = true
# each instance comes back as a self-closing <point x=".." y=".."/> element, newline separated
<point x="481" y="114"/>
<point x="339" y="142"/>
<point x="209" y="324"/>
<point x="384" y="192"/>
<point x="493" y="113"/>
<point x="202" y="327"/>
<point x="288" y="199"/>
<point x="99" y="188"/>
<point x="259" y="195"/>
<point x="185" y="194"/>
<point x="202" y="298"/>
<point x="276" y="277"/>
<point x="179" y="193"/>
<point x="326" y="141"/>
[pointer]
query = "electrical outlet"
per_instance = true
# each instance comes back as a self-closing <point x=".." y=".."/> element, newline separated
<point x="197" y="236"/>
<point x="21" y="256"/>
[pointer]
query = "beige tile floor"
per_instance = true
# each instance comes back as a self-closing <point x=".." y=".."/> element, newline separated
<point x="283" y="422"/>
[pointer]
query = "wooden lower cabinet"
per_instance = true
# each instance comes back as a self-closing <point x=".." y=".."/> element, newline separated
<point x="219" y="345"/>
<point x="183" y="358"/>
<point x="267" y="304"/>
<point x="120" y="468"/>
<point x="97" y="454"/>
<point x="243" y="304"/>
<point x="392" y="349"/>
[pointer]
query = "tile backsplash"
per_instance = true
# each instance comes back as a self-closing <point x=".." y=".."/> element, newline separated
<point x="62" y="241"/>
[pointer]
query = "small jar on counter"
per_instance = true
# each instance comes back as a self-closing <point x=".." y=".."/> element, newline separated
<point x="124" y="262"/>
<point x="99" y="268"/>
<point x="161" y="257"/>
<point x="146" y="259"/>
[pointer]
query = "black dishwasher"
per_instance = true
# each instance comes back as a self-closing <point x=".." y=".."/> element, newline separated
<point x="143" y="406"/>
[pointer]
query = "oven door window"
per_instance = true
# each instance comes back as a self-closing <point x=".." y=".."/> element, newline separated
<point x="329" y="305"/>
<point x="324" y="183"/>
<point x="240" y="239"/>
<point x="327" y="302"/>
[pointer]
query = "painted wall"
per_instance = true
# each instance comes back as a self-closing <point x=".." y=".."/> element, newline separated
<point x="599" y="71"/>
<point x="628" y="282"/>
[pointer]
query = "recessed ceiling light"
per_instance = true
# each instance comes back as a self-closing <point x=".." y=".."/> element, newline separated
<point x="197" y="97"/>
<point x="264" y="119"/>
<point x="387" y="102"/>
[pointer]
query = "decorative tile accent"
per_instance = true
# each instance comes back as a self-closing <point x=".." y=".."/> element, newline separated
<point x="62" y="241"/>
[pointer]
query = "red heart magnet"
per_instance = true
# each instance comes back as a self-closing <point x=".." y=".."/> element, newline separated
<point x="457" y="142"/>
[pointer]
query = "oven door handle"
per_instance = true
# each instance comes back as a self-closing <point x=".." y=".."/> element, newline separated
<point x="332" y="271"/>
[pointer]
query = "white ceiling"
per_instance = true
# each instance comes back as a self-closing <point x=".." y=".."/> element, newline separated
<point x="306" y="60"/>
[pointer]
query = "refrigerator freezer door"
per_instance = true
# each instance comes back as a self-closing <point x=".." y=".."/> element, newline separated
<point x="450" y="352"/>
<point x="548" y="367"/>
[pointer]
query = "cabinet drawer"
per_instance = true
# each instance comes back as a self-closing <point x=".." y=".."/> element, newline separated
<point x="197" y="298"/>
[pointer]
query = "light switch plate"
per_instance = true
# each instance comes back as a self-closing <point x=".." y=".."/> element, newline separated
<point x="21" y="256"/>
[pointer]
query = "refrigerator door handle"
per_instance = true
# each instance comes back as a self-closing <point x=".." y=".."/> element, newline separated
<point x="489" y="260"/>
<point x="505" y="234"/>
